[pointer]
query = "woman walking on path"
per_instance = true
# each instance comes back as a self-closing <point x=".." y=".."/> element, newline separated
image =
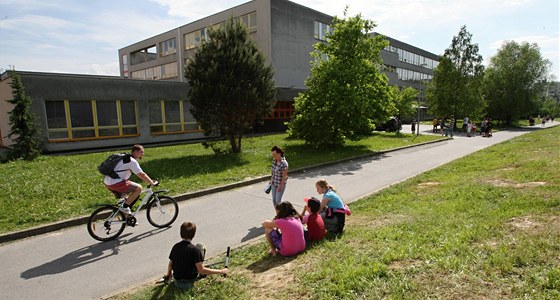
<point x="279" y="176"/>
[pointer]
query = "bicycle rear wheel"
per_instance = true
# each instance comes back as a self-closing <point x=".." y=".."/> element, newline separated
<point x="163" y="212"/>
<point x="106" y="223"/>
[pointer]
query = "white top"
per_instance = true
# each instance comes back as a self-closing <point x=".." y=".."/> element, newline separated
<point x="126" y="171"/>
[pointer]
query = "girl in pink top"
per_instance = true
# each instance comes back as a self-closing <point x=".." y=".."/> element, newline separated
<point x="285" y="232"/>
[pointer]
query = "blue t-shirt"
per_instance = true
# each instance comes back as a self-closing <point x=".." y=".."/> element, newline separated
<point x="334" y="199"/>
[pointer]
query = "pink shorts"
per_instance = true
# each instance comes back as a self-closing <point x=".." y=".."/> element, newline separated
<point x="123" y="187"/>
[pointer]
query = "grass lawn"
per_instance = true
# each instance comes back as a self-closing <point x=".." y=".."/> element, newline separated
<point x="486" y="226"/>
<point x="59" y="187"/>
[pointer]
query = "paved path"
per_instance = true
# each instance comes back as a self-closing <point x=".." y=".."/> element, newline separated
<point x="69" y="264"/>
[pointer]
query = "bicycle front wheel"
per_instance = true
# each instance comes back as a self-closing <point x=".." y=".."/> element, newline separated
<point x="162" y="211"/>
<point x="106" y="223"/>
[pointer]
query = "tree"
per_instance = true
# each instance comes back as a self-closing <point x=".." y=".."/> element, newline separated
<point x="346" y="92"/>
<point x="456" y="87"/>
<point x="23" y="131"/>
<point x="231" y="87"/>
<point x="406" y="101"/>
<point x="515" y="80"/>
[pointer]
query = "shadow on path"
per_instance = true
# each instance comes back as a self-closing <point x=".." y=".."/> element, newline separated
<point x="253" y="233"/>
<point x="85" y="255"/>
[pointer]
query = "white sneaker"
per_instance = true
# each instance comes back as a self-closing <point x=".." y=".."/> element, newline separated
<point x="125" y="210"/>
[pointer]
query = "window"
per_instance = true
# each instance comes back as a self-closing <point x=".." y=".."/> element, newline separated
<point x="143" y="55"/>
<point x="90" y="119"/>
<point x="250" y="21"/>
<point x="125" y="65"/>
<point x="193" y="39"/>
<point x="282" y="110"/>
<point x="321" y="30"/>
<point x="171" y="116"/>
<point x="159" y="72"/>
<point x="167" y="47"/>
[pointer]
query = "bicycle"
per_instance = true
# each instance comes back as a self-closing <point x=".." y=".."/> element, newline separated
<point x="108" y="222"/>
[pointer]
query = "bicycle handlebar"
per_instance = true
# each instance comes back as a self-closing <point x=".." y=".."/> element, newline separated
<point x="157" y="183"/>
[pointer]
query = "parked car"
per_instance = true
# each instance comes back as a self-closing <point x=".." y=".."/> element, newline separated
<point x="390" y="125"/>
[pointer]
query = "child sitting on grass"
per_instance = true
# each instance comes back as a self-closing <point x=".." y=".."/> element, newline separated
<point x="185" y="260"/>
<point x="285" y="233"/>
<point x="311" y="217"/>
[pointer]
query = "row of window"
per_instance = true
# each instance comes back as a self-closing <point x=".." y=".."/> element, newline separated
<point x="92" y="119"/>
<point x="282" y="110"/>
<point x="193" y="39"/>
<point x="413" y="76"/>
<point x="413" y="58"/>
<point x="89" y="119"/>
<point x="158" y="72"/>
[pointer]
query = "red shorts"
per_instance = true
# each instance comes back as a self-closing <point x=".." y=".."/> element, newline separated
<point x="123" y="187"/>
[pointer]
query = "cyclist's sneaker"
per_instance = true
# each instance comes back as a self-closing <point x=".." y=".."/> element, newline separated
<point x="125" y="210"/>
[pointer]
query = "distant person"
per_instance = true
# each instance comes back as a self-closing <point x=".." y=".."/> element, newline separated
<point x="186" y="260"/>
<point x="279" y="178"/>
<point x="310" y="216"/>
<point x="332" y="207"/>
<point x="435" y="123"/>
<point x="413" y="126"/>
<point x="285" y="233"/>
<point x="450" y="127"/>
<point x="122" y="186"/>
<point x="465" y="123"/>
<point x="442" y="125"/>
<point x="469" y="128"/>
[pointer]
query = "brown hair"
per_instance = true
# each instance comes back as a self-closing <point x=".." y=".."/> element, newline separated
<point x="286" y="209"/>
<point x="137" y="147"/>
<point x="188" y="229"/>
<point x="277" y="149"/>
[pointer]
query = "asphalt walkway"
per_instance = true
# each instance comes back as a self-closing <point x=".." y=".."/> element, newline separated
<point x="69" y="264"/>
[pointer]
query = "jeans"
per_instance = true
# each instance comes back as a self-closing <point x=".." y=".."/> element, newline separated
<point x="276" y="195"/>
<point x="449" y="131"/>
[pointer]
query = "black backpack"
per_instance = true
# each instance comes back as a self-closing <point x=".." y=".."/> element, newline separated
<point x="107" y="167"/>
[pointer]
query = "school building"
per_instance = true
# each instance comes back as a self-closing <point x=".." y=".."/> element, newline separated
<point x="148" y="102"/>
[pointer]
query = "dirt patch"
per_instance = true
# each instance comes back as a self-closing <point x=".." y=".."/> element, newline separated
<point x="404" y="264"/>
<point x="510" y="183"/>
<point x="268" y="276"/>
<point x="428" y="184"/>
<point x="533" y="225"/>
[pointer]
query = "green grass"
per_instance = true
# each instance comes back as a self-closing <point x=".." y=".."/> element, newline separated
<point x="486" y="226"/>
<point x="54" y="188"/>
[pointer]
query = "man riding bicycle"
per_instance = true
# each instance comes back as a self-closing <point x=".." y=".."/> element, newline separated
<point x="121" y="185"/>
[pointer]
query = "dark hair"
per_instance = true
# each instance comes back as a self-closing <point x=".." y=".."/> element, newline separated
<point x="137" y="147"/>
<point x="277" y="149"/>
<point x="286" y="209"/>
<point x="188" y="230"/>
<point x="314" y="204"/>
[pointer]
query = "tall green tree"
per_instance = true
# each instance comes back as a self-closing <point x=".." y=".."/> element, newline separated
<point x="23" y="131"/>
<point x="406" y="102"/>
<point x="515" y="80"/>
<point x="346" y="92"/>
<point x="232" y="87"/>
<point x="457" y="84"/>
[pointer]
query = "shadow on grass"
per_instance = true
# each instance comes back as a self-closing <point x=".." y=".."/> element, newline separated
<point x="188" y="166"/>
<point x="269" y="262"/>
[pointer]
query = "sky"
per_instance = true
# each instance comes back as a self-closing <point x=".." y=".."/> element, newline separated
<point x="83" y="37"/>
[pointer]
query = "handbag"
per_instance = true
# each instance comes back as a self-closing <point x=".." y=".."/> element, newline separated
<point x="268" y="188"/>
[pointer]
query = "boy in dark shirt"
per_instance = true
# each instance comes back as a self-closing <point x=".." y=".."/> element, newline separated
<point x="185" y="260"/>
